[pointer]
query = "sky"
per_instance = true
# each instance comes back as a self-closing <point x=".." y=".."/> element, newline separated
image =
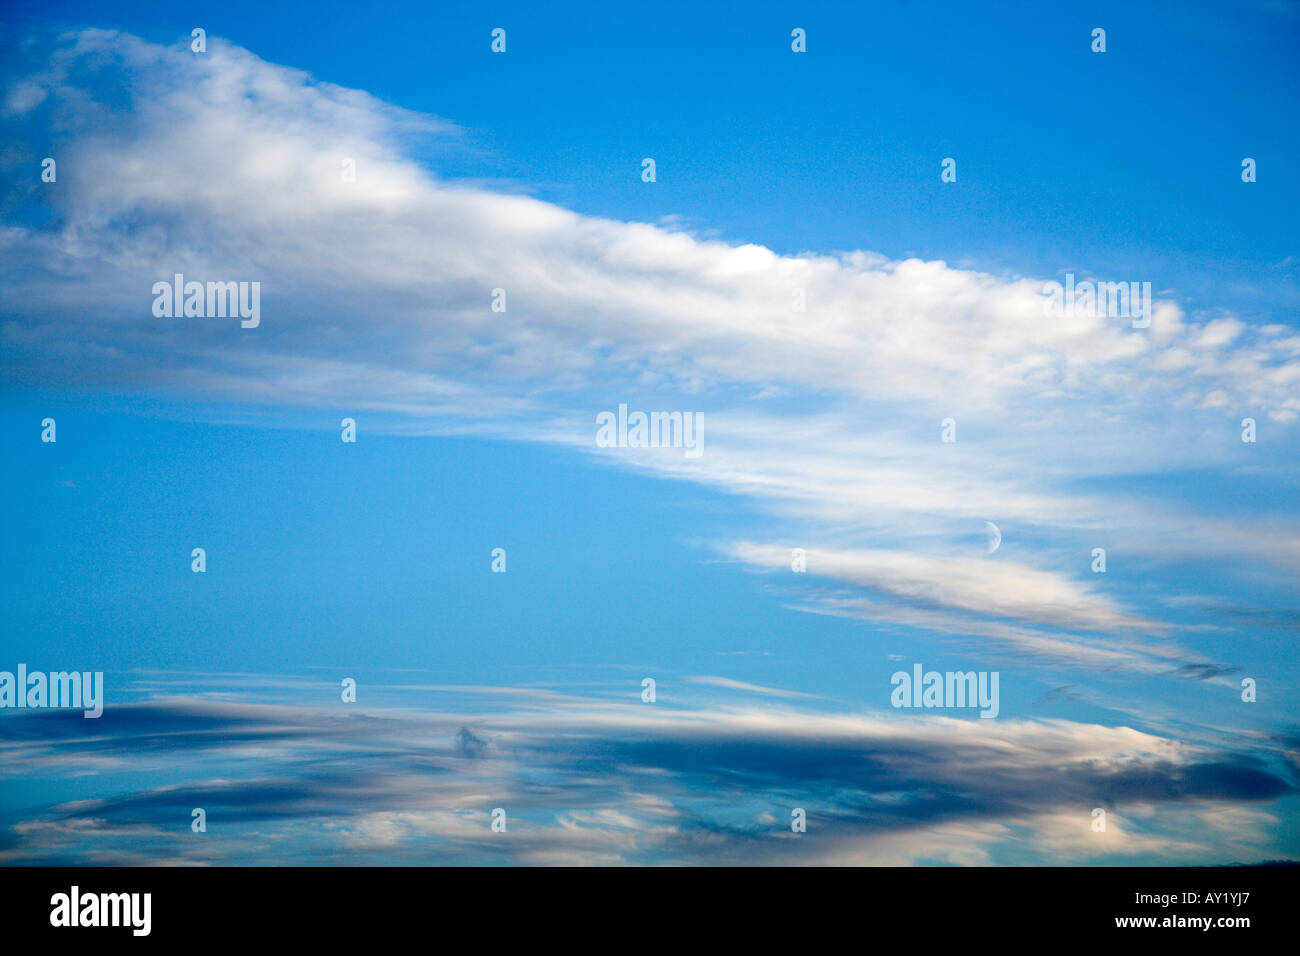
<point x="800" y="279"/>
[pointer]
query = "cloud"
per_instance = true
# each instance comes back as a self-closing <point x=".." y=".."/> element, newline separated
<point x="594" y="781"/>
<point x="470" y="744"/>
<point x="997" y="588"/>
<point x="729" y="684"/>
<point x="1037" y="618"/>
<point x="398" y="267"/>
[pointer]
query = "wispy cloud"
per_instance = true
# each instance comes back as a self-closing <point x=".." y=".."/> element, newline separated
<point x="378" y="291"/>
<point x="728" y="683"/>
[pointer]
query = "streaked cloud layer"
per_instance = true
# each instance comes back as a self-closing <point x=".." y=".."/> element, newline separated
<point x="599" y="780"/>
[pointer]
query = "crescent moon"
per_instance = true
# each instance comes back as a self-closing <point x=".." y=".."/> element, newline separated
<point x="994" y="536"/>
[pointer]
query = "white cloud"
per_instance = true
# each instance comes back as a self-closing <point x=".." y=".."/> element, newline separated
<point x="376" y="295"/>
<point x="997" y="588"/>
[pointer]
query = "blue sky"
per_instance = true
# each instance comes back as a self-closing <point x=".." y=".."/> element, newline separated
<point x="776" y="171"/>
